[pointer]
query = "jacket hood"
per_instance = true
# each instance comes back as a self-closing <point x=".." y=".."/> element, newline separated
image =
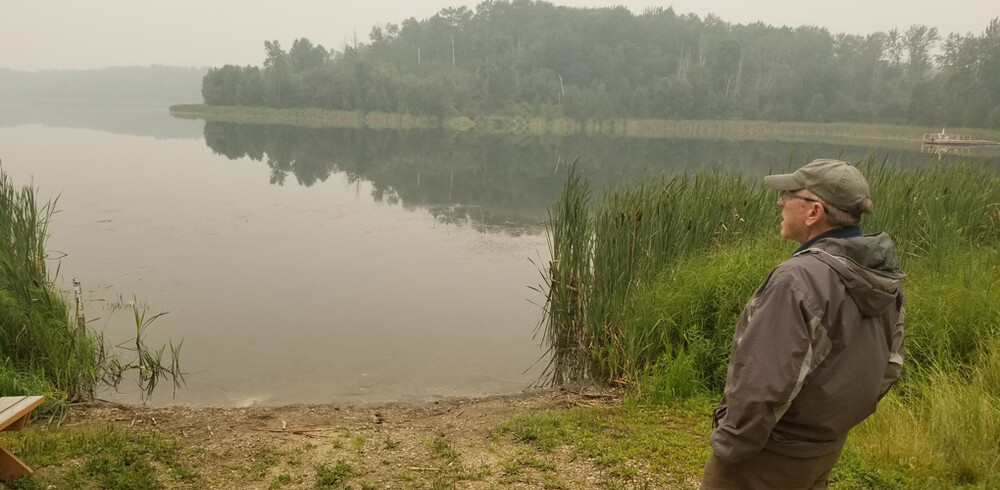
<point x="867" y="265"/>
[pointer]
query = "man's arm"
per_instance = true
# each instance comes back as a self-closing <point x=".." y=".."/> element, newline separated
<point x="895" y="365"/>
<point x="770" y="360"/>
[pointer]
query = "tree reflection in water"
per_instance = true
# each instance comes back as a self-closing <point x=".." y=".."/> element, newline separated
<point x="501" y="181"/>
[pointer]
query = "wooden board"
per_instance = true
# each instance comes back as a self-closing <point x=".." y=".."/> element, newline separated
<point x="14" y="410"/>
<point x="11" y="468"/>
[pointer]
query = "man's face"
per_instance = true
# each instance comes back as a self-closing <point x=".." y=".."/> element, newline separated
<point x="796" y="207"/>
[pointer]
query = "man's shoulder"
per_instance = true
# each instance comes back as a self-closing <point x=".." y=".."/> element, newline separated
<point x="805" y="264"/>
<point x="808" y="260"/>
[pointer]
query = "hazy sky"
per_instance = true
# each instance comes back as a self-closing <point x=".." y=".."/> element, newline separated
<point x="75" y="34"/>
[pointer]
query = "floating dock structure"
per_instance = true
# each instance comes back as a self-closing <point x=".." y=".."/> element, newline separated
<point x="945" y="139"/>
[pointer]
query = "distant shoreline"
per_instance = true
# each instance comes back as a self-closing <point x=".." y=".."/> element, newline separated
<point x="882" y="134"/>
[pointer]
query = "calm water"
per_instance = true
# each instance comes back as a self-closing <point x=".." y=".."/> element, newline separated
<point x="319" y="265"/>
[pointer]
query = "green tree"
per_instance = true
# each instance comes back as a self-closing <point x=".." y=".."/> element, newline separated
<point x="919" y="40"/>
<point x="304" y="56"/>
<point x="220" y="86"/>
<point x="277" y="80"/>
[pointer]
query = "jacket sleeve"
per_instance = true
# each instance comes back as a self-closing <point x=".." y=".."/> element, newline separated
<point x="895" y="365"/>
<point x="769" y="360"/>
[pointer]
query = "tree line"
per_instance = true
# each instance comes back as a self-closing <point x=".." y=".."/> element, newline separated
<point x="526" y="57"/>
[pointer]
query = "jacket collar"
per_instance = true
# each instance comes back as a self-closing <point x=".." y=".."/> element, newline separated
<point x="845" y="232"/>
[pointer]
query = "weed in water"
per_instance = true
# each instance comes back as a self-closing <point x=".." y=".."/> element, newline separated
<point x="147" y="363"/>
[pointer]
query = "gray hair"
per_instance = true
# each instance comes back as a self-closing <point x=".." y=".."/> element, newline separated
<point x="838" y="218"/>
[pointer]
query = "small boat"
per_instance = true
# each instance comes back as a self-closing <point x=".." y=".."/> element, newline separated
<point x="945" y="139"/>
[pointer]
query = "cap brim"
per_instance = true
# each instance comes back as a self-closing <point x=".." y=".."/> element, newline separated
<point x="782" y="182"/>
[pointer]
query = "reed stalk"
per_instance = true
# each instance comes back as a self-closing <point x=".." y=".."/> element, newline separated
<point x="568" y="279"/>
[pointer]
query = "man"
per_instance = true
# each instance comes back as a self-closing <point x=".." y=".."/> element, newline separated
<point x="817" y="346"/>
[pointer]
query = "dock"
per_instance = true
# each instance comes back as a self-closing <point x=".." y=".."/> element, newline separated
<point x="947" y="139"/>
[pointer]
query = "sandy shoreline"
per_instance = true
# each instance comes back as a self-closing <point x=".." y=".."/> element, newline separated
<point x="387" y="446"/>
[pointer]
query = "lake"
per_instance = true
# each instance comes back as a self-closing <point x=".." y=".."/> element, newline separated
<point x="304" y="265"/>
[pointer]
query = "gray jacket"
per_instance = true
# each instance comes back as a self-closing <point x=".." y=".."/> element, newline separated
<point x="817" y="346"/>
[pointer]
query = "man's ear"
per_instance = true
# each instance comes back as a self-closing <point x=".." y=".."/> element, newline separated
<point x="816" y="213"/>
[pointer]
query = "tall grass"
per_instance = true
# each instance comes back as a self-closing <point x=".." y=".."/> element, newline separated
<point x="564" y="322"/>
<point x="38" y="341"/>
<point x="946" y="428"/>
<point x="932" y="210"/>
<point x="42" y="348"/>
<point x="602" y="258"/>
<point x="687" y="314"/>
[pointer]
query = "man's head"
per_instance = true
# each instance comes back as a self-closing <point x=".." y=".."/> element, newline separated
<point x="822" y="195"/>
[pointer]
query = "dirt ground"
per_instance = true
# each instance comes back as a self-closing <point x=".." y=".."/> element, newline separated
<point x="446" y="444"/>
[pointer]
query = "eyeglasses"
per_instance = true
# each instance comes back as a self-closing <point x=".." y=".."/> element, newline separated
<point x="786" y="195"/>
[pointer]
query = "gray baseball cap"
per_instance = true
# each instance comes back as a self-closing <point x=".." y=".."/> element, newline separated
<point x="837" y="183"/>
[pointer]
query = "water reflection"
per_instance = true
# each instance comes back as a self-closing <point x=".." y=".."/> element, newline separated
<point x="941" y="151"/>
<point x="501" y="180"/>
<point x="281" y="294"/>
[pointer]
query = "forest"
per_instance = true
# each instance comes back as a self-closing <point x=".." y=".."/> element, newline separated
<point x="526" y="57"/>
